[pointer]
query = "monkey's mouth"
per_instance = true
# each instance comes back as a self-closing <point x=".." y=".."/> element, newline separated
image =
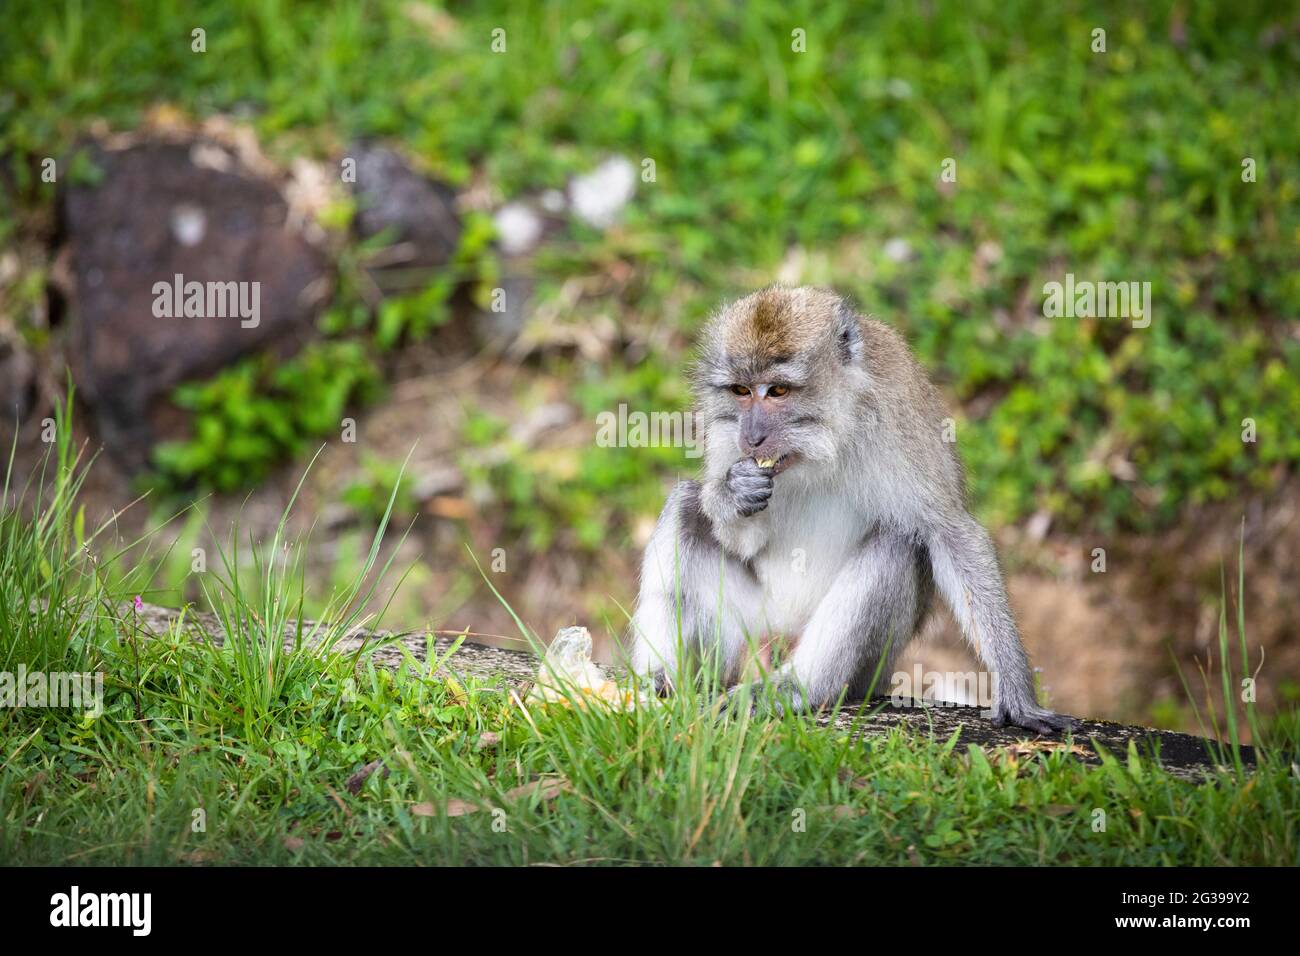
<point x="777" y="465"/>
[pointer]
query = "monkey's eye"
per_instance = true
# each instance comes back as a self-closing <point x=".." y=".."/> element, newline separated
<point x="777" y="391"/>
<point x="739" y="390"/>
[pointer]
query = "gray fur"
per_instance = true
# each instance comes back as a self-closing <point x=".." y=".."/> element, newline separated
<point x="842" y="551"/>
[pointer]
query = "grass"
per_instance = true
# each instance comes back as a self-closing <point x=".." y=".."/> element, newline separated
<point x="241" y="754"/>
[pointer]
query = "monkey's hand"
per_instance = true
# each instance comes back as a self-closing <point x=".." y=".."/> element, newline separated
<point x="1031" y="717"/>
<point x="749" y="486"/>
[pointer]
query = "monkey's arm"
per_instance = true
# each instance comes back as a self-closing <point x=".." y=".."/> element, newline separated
<point x="692" y="592"/>
<point x="867" y="617"/>
<point x="967" y="574"/>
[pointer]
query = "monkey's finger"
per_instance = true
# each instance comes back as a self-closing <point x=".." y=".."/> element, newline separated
<point x="1062" y="723"/>
<point x="1046" y="722"/>
<point x="1037" y="725"/>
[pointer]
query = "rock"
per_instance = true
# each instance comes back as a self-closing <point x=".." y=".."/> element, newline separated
<point x="421" y="214"/>
<point x="518" y="227"/>
<point x="553" y="202"/>
<point x="598" y="197"/>
<point x="898" y="250"/>
<point x="503" y="325"/>
<point x="17" y="383"/>
<point x="155" y="214"/>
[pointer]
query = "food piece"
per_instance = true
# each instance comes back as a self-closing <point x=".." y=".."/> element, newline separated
<point x="568" y="676"/>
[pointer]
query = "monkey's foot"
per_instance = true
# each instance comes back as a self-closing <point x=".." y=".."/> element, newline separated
<point x="1037" y="719"/>
<point x="762" y="700"/>
<point x="657" y="683"/>
<point x="661" y="685"/>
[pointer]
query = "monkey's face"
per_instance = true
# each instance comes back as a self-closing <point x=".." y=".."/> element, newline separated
<point x="772" y="379"/>
<point x="763" y="424"/>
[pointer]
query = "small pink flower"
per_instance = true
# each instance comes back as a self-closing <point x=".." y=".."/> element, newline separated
<point x="139" y="605"/>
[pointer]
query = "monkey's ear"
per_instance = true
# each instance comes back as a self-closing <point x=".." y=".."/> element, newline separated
<point x="848" y="333"/>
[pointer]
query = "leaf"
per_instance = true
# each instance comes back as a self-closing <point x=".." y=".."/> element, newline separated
<point x="544" y="789"/>
<point x="358" y="779"/>
<point x="1027" y="748"/>
<point x="32" y="785"/>
<point x="458" y="695"/>
<point x="458" y="808"/>
<point x="454" y="807"/>
<point x="852" y="781"/>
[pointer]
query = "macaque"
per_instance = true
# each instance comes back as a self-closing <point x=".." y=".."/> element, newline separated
<point x="829" y="512"/>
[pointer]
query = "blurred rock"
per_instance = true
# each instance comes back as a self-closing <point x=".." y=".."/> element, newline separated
<point x="420" y="213"/>
<point x="155" y="214"/>
<point x="898" y="250"/>
<point x="598" y="197"/>
<point x="518" y="227"/>
<point x="502" y="326"/>
<point x="17" y="383"/>
<point x="553" y="201"/>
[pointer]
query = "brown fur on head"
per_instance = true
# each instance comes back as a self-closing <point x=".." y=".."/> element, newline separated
<point x="774" y="372"/>
<point x="772" y="326"/>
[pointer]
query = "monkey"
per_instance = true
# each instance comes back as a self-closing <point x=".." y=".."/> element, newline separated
<point x="829" y="512"/>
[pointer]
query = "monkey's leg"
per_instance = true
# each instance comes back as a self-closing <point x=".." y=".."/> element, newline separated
<point x="967" y="574"/>
<point x="690" y="598"/>
<point x="868" y="616"/>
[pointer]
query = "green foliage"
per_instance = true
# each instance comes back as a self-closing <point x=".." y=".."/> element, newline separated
<point x="43" y="564"/>
<point x="380" y="481"/>
<point x="577" y="497"/>
<point x="263" y="735"/>
<point x="412" y="315"/>
<point x="1123" y="165"/>
<point x="257" y="413"/>
<point x="267" y="757"/>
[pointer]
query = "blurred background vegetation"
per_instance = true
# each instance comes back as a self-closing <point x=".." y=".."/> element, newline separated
<point x="820" y="166"/>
